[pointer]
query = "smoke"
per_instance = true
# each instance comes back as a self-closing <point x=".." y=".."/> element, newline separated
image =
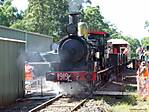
<point x="72" y="88"/>
<point x="21" y="60"/>
<point x="75" y="5"/>
<point x="53" y="86"/>
<point x="41" y="64"/>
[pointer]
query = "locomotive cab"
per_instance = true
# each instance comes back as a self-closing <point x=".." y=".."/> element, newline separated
<point x="99" y="40"/>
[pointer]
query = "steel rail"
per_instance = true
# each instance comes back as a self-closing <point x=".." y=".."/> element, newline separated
<point x="49" y="103"/>
<point x="79" y="105"/>
<point x="43" y="105"/>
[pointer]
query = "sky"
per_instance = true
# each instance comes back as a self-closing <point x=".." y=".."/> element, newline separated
<point x="20" y="4"/>
<point x="128" y="15"/>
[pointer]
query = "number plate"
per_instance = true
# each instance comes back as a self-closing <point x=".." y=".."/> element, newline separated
<point x="64" y="76"/>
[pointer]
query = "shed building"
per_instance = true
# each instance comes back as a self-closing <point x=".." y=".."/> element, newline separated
<point x="11" y="70"/>
<point x="13" y="44"/>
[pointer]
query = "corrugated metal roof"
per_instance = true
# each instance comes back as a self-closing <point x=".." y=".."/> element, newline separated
<point x="32" y="39"/>
<point x="118" y="41"/>
<point x="23" y="31"/>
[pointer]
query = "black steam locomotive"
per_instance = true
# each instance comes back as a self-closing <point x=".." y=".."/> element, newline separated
<point x="84" y="56"/>
<point x="81" y="55"/>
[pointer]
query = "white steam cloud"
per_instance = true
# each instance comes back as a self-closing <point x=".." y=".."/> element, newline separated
<point x="73" y="88"/>
<point x="75" y="5"/>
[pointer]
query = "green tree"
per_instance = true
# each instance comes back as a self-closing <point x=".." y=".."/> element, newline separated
<point x="134" y="44"/>
<point x="94" y="19"/>
<point x="145" y="41"/>
<point x="45" y="16"/>
<point x="8" y="14"/>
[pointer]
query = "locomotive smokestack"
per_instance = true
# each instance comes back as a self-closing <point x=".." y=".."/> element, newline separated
<point x="73" y="18"/>
<point x="74" y="7"/>
<point x="72" y="27"/>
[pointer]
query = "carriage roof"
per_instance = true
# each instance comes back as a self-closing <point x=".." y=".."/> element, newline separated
<point x="118" y="41"/>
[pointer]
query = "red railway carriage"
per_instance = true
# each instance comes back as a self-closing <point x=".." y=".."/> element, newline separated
<point x="119" y="50"/>
<point x="119" y="46"/>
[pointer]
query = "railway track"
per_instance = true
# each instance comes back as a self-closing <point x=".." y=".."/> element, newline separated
<point x="61" y="104"/>
<point x="69" y="104"/>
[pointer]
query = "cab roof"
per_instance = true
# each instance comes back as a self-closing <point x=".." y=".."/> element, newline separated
<point x="101" y="33"/>
<point x="98" y="33"/>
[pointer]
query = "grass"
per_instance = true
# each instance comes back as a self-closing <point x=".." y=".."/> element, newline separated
<point x="112" y="100"/>
<point x="125" y="103"/>
<point x="129" y="88"/>
<point x="120" y="108"/>
<point x="140" y="107"/>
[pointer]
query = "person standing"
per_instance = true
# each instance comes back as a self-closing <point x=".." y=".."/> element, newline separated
<point x="28" y="72"/>
<point x="142" y="79"/>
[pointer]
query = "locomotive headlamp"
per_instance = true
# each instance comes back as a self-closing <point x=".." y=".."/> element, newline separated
<point x="71" y="29"/>
<point x="82" y="29"/>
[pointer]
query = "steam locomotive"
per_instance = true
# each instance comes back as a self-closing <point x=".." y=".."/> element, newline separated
<point x="83" y="55"/>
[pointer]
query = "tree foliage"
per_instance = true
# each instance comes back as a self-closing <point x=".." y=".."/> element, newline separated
<point x="8" y="14"/>
<point x="94" y="19"/>
<point x="134" y="44"/>
<point x="145" y="41"/>
<point x="45" y="17"/>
